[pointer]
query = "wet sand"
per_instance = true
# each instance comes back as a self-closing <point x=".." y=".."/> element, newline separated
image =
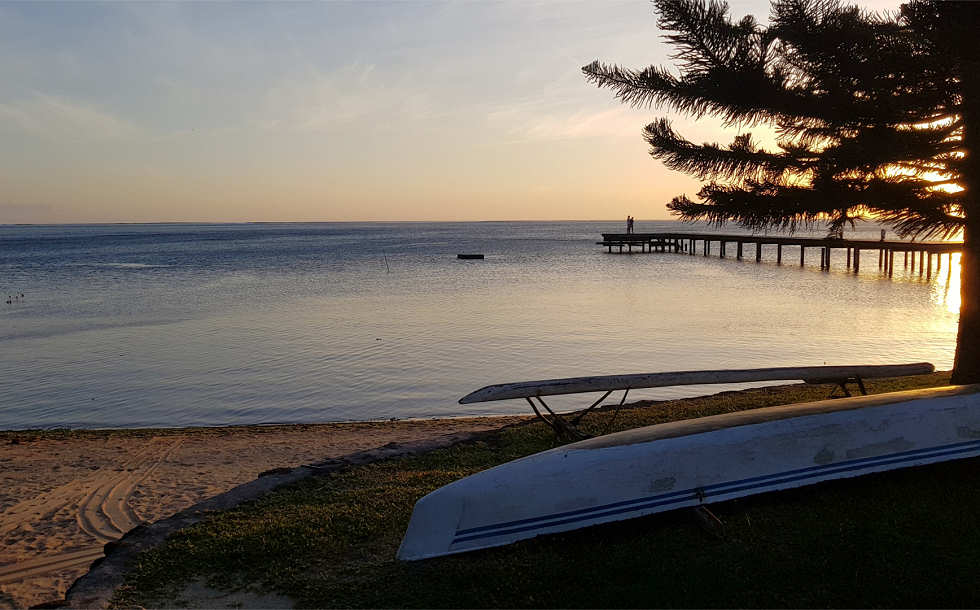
<point x="62" y="497"/>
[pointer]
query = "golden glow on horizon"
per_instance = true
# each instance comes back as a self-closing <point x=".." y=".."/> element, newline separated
<point x="266" y="112"/>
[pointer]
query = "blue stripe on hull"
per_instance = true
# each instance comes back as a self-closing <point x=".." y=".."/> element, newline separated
<point x="716" y="489"/>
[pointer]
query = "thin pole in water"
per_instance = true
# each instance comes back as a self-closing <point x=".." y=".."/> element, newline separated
<point x="386" y="261"/>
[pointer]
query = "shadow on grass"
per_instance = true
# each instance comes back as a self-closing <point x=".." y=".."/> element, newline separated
<point x="905" y="538"/>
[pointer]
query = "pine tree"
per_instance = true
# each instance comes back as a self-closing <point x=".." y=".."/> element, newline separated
<point x="876" y="115"/>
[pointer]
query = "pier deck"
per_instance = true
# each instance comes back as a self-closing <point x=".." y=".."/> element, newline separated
<point x="687" y="243"/>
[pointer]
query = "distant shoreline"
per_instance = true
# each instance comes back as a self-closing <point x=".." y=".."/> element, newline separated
<point x="314" y="222"/>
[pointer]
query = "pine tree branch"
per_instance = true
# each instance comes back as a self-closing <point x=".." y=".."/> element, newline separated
<point x="742" y="158"/>
<point x="868" y="108"/>
<point x="705" y="38"/>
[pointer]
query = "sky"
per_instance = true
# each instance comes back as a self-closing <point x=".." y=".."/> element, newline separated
<point x="330" y="111"/>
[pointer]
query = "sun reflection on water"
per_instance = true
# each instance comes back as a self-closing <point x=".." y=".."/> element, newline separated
<point x="947" y="293"/>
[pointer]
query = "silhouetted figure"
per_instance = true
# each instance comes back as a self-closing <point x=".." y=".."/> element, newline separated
<point x="629" y="224"/>
<point x="882" y="235"/>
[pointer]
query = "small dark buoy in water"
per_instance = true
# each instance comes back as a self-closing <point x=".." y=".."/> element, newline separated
<point x="470" y="256"/>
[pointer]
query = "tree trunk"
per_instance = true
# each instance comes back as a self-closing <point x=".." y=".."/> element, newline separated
<point x="966" y="366"/>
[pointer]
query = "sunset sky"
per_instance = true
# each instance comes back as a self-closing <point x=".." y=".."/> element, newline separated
<point x="143" y="112"/>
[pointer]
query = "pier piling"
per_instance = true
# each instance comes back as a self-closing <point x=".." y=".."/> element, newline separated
<point x="687" y="243"/>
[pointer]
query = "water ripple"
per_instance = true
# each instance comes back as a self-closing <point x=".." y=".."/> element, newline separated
<point x="237" y="324"/>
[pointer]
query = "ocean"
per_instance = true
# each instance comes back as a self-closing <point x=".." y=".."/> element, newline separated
<point x="223" y="324"/>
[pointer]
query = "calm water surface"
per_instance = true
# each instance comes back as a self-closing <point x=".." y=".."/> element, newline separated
<point x="179" y="325"/>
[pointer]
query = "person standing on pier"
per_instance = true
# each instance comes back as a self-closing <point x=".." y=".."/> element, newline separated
<point x="629" y="224"/>
<point x="882" y="235"/>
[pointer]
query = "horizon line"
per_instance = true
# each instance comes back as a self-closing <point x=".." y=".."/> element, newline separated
<point x="269" y="222"/>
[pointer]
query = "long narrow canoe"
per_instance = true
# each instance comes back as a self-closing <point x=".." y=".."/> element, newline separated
<point x="711" y="459"/>
<point x="602" y="383"/>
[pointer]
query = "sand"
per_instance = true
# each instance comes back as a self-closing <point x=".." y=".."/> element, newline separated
<point x="62" y="499"/>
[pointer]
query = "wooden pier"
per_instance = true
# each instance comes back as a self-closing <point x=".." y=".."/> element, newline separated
<point x="688" y="243"/>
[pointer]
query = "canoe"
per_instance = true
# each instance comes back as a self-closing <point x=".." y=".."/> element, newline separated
<point x="681" y="464"/>
<point x="470" y="256"/>
<point x="575" y="385"/>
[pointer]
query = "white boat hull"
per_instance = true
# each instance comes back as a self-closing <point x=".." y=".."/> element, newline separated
<point x="712" y="459"/>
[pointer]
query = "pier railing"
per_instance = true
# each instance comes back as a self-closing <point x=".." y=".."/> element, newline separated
<point x="688" y="243"/>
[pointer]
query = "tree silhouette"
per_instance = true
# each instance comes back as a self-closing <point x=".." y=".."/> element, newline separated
<point x="875" y="115"/>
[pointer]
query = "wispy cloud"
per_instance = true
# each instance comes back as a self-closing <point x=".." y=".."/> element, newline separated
<point x="56" y="117"/>
<point x="531" y="122"/>
<point x="353" y="94"/>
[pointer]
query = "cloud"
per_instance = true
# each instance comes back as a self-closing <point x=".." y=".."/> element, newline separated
<point x="528" y="122"/>
<point x="355" y="93"/>
<point x="55" y="117"/>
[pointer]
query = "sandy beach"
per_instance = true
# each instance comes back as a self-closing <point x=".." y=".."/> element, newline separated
<point x="63" y="497"/>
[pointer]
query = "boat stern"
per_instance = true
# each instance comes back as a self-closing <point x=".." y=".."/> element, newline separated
<point x="432" y="527"/>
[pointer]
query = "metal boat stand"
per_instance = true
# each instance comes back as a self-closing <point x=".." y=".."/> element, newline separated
<point x="565" y="430"/>
<point x="842" y="384"/>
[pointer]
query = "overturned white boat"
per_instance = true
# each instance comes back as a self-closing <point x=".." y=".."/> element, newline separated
<point x="711" y="459"/>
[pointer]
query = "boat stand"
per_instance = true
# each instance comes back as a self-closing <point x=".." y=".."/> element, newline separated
<point x="709" y="521"/>
<point x="842" y="384"/>
<point x="565" y="430"/>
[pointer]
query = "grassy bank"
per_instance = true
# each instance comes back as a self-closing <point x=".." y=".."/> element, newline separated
<point x="907" y="538"/>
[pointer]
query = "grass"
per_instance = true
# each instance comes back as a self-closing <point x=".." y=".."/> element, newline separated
<point x="906" y="538"/>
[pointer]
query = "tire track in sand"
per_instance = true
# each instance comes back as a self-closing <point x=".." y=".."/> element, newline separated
<point x="45" y="505"/>
<point x="100" y="503"/>
<point x="51" y="563"/>
<point x="105" y="513"/>
<point x="116" y="506"/>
